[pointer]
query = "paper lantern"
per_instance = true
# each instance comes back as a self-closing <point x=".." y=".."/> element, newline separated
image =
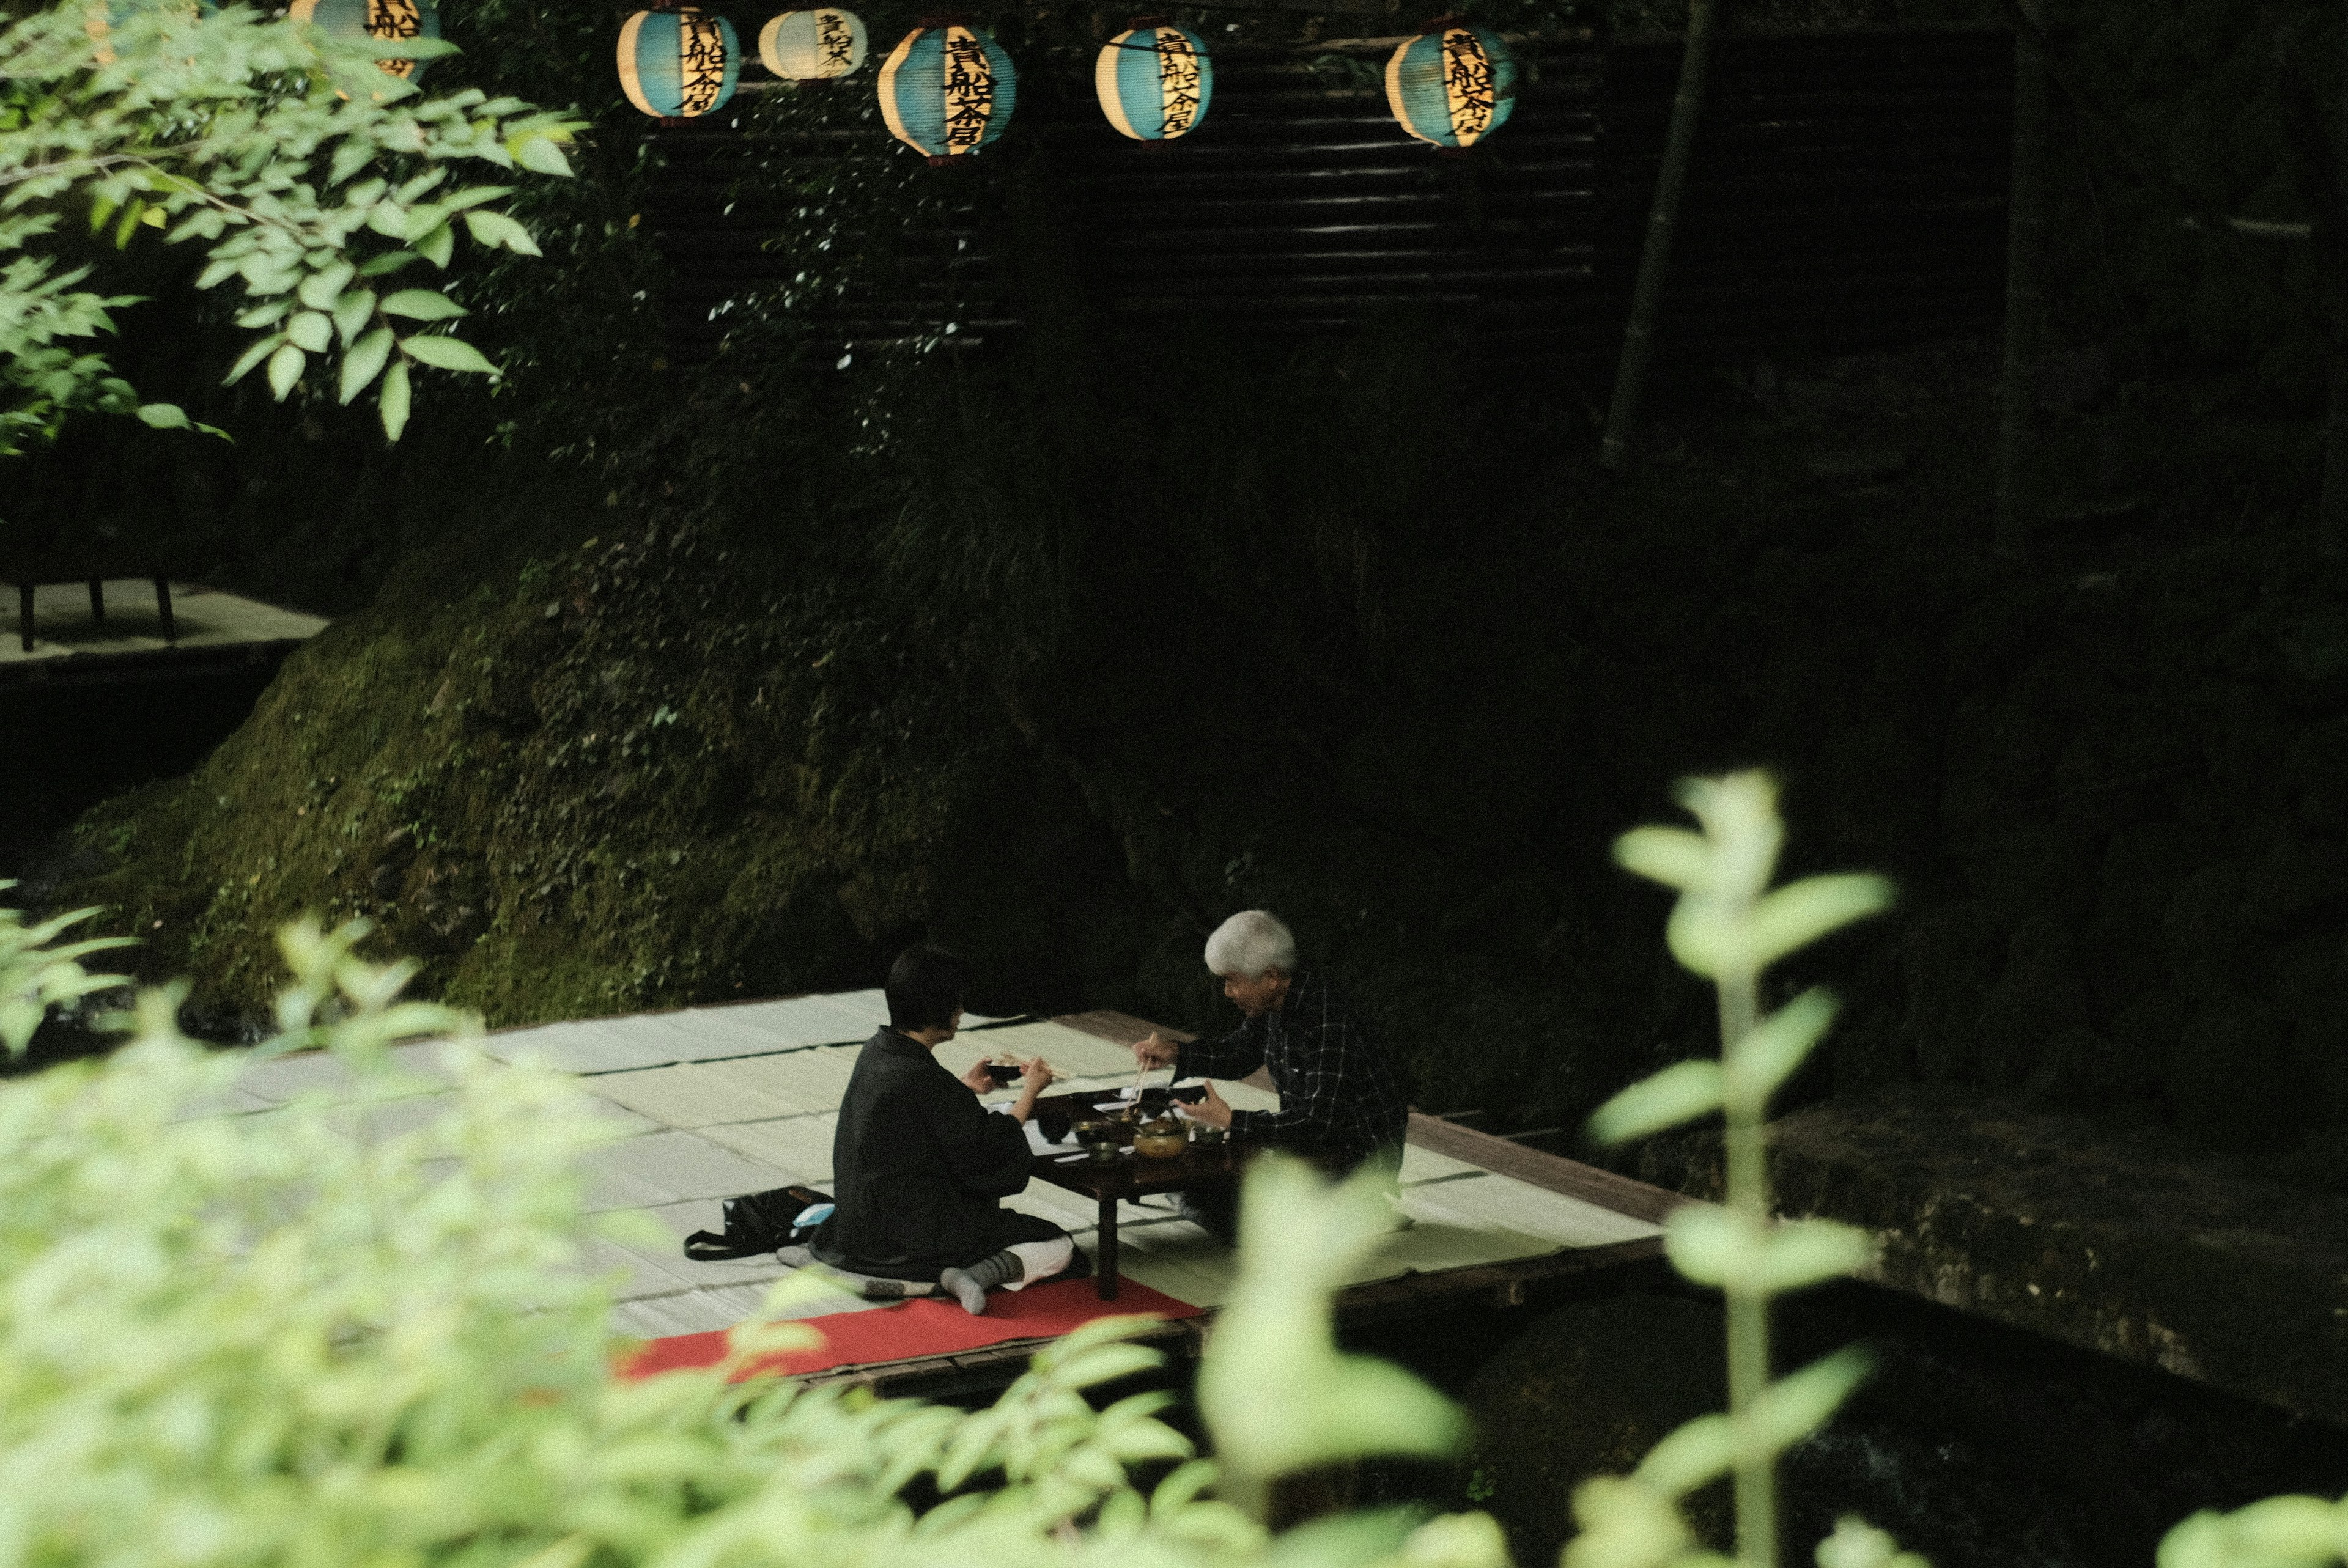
<point x="812" y="46"/>
<point x="1154" y="82"/>
<point x="379" y="19"/>
<point x="678" y="64"/>
<point x="947" y="90"/>
<point x="1453" y="84"/>
<point x="97" y="21"/>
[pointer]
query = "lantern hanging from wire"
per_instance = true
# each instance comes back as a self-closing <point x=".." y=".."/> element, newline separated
<point x="1453" y="84"/>
<point x="679" y="65"/>
<point x="1154" y="80"/>
<point x="947" y="90"/>
<point x="385" y="21"/>
<point x="813" y="46"/>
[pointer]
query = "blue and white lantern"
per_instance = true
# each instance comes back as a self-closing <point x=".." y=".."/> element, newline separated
<point x="678" y="64"/>
<point x="381" y="20"/>
<point x="813" y="46"/>
<point x="1453" y="84"/>
<point x="99" y="21"/>
<point x="947" y="90"/>
<point x="1154" y="82"/>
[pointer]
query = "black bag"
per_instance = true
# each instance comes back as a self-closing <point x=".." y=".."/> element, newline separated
<point x="757" y="1223"/>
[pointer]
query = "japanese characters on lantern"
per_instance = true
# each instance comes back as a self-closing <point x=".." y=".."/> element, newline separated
<point x="382" y="20"/>
<point x="947" y="90"/>
<point x="678" y="64"/>
<point x="1453" y="84"/>
<point x="1154" y="81"/>
<point x="812" y="46"/>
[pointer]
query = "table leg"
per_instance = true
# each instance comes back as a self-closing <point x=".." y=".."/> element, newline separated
<point x="1105" y="1265"/>
<point x="98" y="601"/>
<point x="163" y="608"/>
<point x="25" y="614"/>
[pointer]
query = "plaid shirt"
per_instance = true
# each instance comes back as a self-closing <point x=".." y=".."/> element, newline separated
<point x="1337" y="1090"/>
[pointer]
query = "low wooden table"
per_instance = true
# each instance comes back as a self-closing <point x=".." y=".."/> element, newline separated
<point x="1130" y="1176"/>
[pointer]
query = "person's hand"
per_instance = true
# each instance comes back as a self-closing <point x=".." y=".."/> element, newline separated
<point x="1035" y="1075"/>
<point x="976" y="1079"/>
<point x="1156" y="1050"/>
<point x="1214" y="1111"/>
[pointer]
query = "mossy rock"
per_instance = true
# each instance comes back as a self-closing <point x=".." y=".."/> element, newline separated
<point x="1585" y="1390"/>
<point x="2038" y="997"/>
<point x="645" y="771"/>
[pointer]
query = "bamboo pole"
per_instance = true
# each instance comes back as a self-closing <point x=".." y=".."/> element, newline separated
<point x="1655" y="255"/>
<point x="2024" y="265"/>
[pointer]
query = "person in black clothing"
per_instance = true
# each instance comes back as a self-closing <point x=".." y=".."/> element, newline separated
<point x="919" y="1167"/>
<point x="1338" y="1091"/>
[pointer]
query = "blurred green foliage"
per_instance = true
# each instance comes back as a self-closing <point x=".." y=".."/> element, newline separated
<point x="358" y="1327"/>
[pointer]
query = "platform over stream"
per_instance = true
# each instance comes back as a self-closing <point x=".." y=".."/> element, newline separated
<point x="718" y="1101"/>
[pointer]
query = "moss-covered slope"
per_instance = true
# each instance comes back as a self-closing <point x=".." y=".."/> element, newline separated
<point x="637" y="770"/>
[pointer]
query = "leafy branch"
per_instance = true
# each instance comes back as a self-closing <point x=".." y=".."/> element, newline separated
<point x="1730" y="927"/>
<point x="306" y="171"/>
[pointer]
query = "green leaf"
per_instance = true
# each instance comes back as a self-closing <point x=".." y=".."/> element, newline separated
<point x="2292" y="1528"/>
<point x="1712" y="1246"/>
<point x="1800" y="913"/>
<point x="1672" y="855"/>
<point x="393" y="400"/>
<point x="1761" y="1062"/>
<point x="391" y="262"/>
<point x="495" y="228"/>
<point x="164" y="415"/>
<point x="321" y="289"/>
<point x="132" y="212"/>
<point x="352" y="312"/>
<point x="1699" y="1452"/>
<point x="1678" y="1093"/>
<point x="448" y="353"/>
<point x="1803" y="1253"/>
<point x="423" y="306"/>
<point x="264" y="315"/>
<point x="251" y="357"/>
<point x="1276" y="1392"/>
<point x="541" y="155"/>
<point x="353" y="154"/>
<point x="309" y="330"/>
<point x="284" y="370"/>
<point x="422" y="220"/>
<point x="1792" y="1407"/>
<point x="438" y="246"/>
<point x="474" y="195"/>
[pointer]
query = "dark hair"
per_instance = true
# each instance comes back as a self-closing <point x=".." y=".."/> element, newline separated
<point x="925" y="988"/>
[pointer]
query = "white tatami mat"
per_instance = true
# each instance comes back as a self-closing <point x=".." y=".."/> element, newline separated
<point x="709" y="1102"/>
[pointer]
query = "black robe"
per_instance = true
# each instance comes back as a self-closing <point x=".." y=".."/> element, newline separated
<point x="919" y="1168"/>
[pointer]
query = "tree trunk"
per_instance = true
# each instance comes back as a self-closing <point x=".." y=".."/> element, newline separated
<point x="1655" y="255"/>
<point x="2024" y="266"/>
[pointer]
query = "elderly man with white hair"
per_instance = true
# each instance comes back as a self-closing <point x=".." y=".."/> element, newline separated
<point x="1338" y="1092"/>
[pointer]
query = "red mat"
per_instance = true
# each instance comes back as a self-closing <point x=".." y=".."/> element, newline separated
<point x="928" y="1325"/>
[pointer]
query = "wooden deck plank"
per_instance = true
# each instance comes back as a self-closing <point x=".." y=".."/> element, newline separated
<point x="1553" y="1172"/>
